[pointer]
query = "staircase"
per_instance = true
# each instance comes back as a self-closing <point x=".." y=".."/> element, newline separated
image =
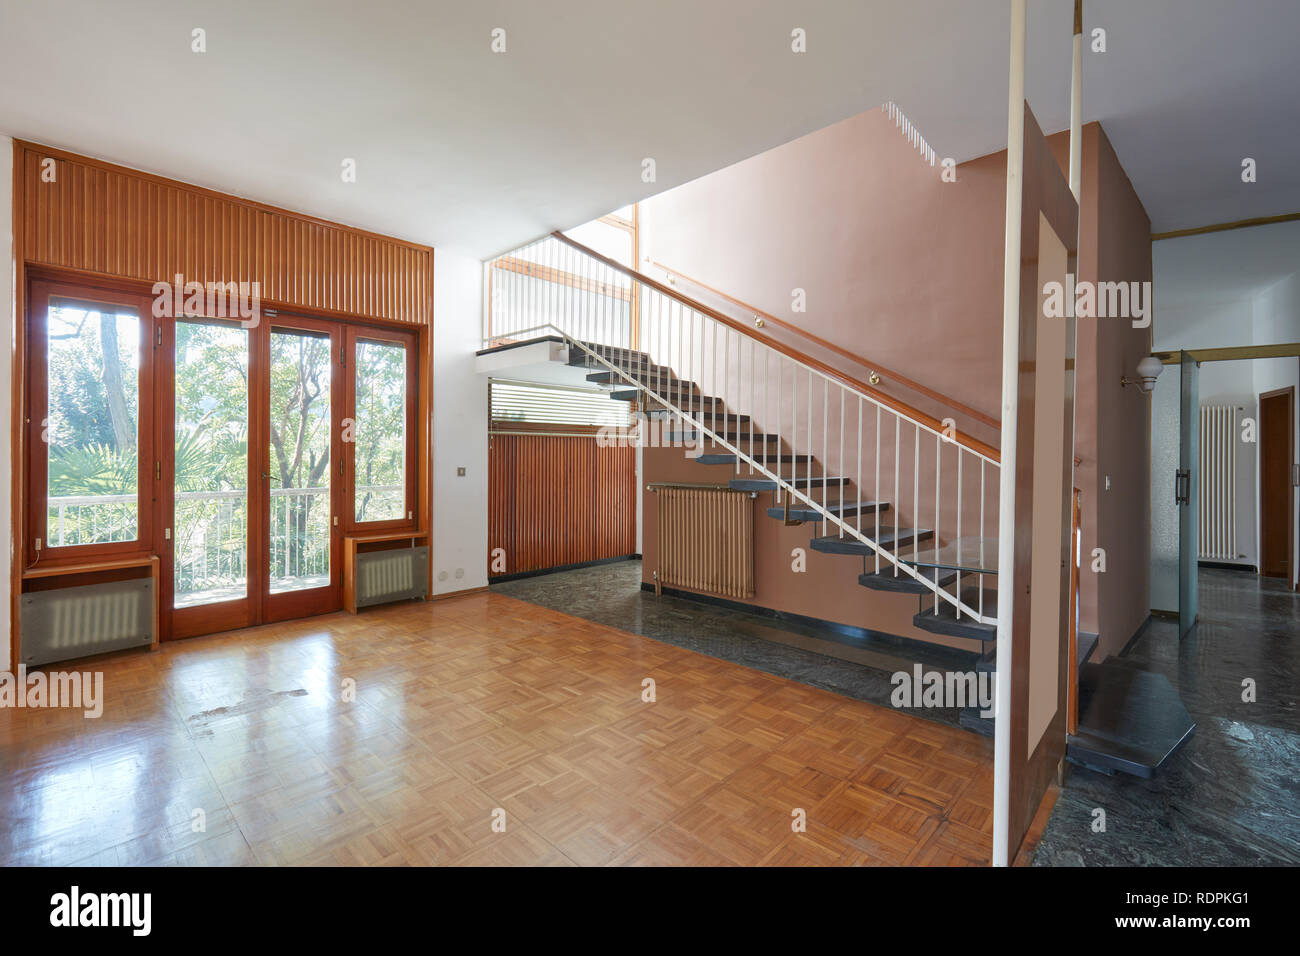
<point x="843" y="518"/>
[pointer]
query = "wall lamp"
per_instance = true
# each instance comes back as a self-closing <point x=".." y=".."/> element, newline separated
<point x="1148" y="370"/>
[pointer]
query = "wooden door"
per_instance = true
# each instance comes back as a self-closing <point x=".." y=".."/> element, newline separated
<point x="1276" y="455"/>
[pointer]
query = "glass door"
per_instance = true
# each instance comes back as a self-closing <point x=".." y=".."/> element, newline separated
<point x="302" y="457"/>
<point x="1188" y="493"/>
<point x="211" y="511"/>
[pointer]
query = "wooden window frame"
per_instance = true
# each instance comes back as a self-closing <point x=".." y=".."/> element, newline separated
<point x="35" y="373"/>
<point x="352" y="336"/>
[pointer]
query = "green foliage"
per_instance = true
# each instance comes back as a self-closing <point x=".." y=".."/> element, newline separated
<point x="93" y="469"/>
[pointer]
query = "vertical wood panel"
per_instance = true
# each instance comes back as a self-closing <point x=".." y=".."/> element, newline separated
<point x="556" y="500"/>
<point x="116" y="221"/>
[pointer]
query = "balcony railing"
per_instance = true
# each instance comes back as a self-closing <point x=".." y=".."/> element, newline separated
<point x="210" y="535"/>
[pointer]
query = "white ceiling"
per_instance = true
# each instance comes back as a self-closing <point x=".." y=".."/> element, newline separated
<point x="465" y="149"/>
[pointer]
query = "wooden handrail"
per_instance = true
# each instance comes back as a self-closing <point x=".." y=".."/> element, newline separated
<point x="841" y="351"/>
<point x="902" y="408"/>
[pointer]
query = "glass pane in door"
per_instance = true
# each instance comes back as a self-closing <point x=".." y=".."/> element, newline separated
<point x="1166" y="490"/>
<point x="299" y="459"/>
<point x="1189" y="454"/>
<point x="92" y="424"/>
<point x="210" y="537"/>
<point x="380" y="461"/>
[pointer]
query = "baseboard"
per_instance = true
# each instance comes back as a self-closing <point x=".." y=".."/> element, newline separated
<point x="1142" y="629"/>
<point x="496" y="579"/>
<point x="446" y="595"/>
<point x="1228" y="566"/>
<point x="846" y="634"/>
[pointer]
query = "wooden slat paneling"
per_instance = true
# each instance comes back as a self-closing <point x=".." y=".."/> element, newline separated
<point x="556" y="500"/>
<point x="116" y="221"/>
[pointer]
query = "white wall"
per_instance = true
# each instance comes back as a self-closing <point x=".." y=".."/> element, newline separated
<point x="1267" y="317"/>
<point x="1190" y="326"/>
<point x="6" y="373"/>
<point x="460" y="427"/>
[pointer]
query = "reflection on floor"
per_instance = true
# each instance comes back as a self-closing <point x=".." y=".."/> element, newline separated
<point x="1230" y="796"/>
<point x="611" y="594"/>
<point x="399" y="735"/>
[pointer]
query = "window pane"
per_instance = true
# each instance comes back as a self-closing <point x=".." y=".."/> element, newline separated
<point x="211" y="534"/>
<point x="380" y="432"/>
<point x="92" y="427"/>
<point x="300" y="461"/>
<point x="556" y="404"/>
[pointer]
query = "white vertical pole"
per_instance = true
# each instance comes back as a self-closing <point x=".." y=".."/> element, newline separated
<point x="1010" y="401"/>
<point x="1076" y="104"/>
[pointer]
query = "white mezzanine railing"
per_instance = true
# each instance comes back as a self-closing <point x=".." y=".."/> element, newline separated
<point x="865" y="442"/>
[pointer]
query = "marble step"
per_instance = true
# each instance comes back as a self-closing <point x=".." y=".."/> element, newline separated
<point x="1130" y="720"/>
<point x="969" y="717"/>
<point x="805" y="484"/>
<point x="847" y="509"/>
<point x="729" y="458"/>
<point x="948" y="623"/>
<point x="901" y="583"/>
<point x="612" y="354"/>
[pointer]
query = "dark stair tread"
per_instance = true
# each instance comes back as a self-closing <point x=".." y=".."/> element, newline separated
<point x="842" y="509"/>
<point x="628" y="393"/>
<point x="847" y="544"/>
<point x="802" y="483"/>
<point x="729" y="458"/>
<point x="611" y="353"/>
<point x="834" y="544"/>
<point x="650" y="374"/>
<point x="692" y="434"/>
<point x="902" y="582"/>
<point x="710" y="420"/>
<point x="947" y="622"/>
<point x="1131" y="720"/>
<point x="969" y="717"/>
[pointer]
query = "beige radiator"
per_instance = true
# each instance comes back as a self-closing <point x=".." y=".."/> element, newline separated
<point x="706" y="541"/>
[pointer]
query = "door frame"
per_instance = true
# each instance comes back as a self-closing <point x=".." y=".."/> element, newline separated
<point x="323" y="600"/>
<point x="1289" y="392"/>
<point x="220" y="615"/>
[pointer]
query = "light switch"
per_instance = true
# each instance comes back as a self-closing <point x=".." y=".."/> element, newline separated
<point x="460" y="472"/>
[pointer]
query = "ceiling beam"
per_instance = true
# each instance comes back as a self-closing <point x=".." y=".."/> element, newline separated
<point x="1224" y="226"/>
<point x="1231" y="354"/>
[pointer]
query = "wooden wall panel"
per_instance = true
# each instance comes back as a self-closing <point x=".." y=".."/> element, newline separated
<point x="557" y="500"/>
<point x="108" y="219"/>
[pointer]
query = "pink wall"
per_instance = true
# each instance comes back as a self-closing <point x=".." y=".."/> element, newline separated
<point x="906" y="270"/>
<point x="1113" y="423"/>
<point x="897" y="266"/>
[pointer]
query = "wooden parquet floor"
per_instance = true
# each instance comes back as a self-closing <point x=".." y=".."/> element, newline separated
<point x="400" y="735"/>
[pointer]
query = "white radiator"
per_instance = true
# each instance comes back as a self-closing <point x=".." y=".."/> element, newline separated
<point x="1218" y="482"/>
<point x="384" y="576"/>
<point x="64" y="623"/>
